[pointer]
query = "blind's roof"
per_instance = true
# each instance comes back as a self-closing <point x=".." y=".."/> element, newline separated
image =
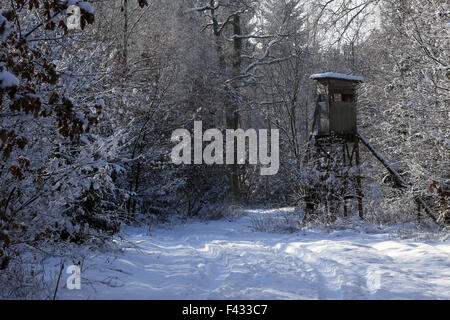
<point x="332" y="75"/>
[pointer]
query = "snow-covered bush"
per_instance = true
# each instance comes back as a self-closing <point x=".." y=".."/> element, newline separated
<point x="404" y="102"/>
<point x="51" y="164"/>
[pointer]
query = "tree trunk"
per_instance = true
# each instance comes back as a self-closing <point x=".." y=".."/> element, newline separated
<point x="232" y="113"/>
<point x="125" y="35"/>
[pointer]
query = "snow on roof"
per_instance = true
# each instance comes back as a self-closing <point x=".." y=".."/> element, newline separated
<point x="337" y="76"/>
<point x="7" y="80"/>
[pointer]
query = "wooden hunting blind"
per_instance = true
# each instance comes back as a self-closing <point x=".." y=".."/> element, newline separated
<point x="335" y="139"/>
<point x="336" y="102"/>
<point x="334" y="142"/>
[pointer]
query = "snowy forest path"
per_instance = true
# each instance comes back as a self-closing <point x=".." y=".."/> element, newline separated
<point x="228" y="259"/>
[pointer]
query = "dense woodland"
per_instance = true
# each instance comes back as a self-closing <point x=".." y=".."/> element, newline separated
<point x="86" y="115"/>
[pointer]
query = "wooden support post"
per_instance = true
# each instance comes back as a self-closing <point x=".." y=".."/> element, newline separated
<point x="358" y="179"/>
<point x="308" y="144"/>
<point x="344" y="163"/>
<point x="398" y="179"/>
<point x="418" y="212"/>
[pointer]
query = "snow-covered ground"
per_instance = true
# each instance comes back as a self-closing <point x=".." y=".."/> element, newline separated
<point x="229" y="260"/>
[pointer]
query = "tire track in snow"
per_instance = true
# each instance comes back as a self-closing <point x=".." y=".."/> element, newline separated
<point x="244" y="269"/>
<point x="336" y="281"/>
